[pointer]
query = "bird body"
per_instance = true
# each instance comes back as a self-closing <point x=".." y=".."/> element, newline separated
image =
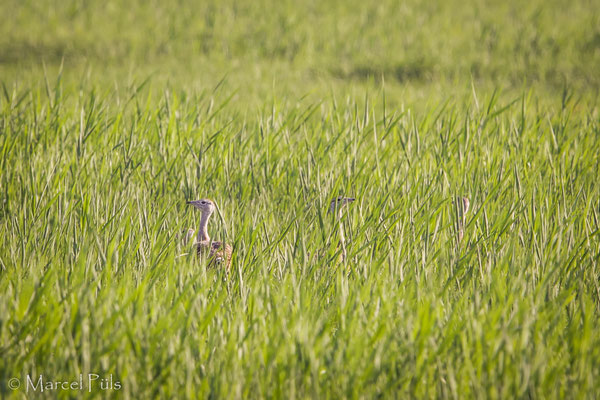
<point x="217" y="253"/>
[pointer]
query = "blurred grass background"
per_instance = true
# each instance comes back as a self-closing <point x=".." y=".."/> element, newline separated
<point x="301" y="47"/>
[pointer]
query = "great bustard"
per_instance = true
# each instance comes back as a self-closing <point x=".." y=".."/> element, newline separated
<point x="218" y="253"/>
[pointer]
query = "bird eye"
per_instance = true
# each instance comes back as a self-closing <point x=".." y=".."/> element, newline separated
<point x="202" y="202"/>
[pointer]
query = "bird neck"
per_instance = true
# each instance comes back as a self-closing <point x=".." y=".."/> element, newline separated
<point x="341" y="228"/>
<point x="338" y="226"/>
<point x="203" y="231"/>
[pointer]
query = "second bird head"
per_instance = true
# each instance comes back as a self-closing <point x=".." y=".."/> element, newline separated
<point x="204" y="205"/>
<point x="339" y="203"/>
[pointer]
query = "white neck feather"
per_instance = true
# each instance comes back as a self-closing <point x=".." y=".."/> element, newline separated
<point x="203" y="231"/>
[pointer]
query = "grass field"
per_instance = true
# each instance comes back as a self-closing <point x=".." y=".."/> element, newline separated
<point x="114" y="113"/>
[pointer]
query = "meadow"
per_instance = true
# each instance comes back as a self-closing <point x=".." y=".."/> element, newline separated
<point x="114" y="113"/>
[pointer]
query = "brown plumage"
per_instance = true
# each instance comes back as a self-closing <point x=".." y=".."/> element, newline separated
<point x="217" y="253"/>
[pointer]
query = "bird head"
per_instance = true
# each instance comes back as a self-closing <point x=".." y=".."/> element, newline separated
<point x="466" y="204"/>
<point x="204" y="205"/>
<point x="463" y="204"/>
<point x="339" y="203"/>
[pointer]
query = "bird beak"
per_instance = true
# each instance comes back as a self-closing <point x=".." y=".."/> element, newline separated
<point x="351" y="199"/>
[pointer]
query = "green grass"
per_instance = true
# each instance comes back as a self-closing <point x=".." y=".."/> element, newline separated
<point x="112" y="114"/>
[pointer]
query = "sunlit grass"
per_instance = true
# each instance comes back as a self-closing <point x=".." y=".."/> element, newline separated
<point x="97" y="166"/>
<point x="94" y="198"/>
